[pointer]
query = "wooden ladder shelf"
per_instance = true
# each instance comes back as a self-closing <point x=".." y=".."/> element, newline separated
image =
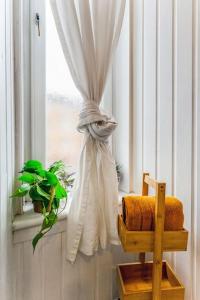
<point x="151" y="280"/>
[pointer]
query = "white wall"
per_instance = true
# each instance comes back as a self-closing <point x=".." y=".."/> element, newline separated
<point x="47" y="275"/>
<point x="6" y="149"/>
<point x="166" y="105"/>
<point x="122" y="139"/>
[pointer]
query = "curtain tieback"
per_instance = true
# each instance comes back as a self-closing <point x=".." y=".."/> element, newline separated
<point x="99" y="125"/>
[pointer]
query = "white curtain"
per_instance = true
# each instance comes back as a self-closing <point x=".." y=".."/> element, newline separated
<point x="89" y="31"/>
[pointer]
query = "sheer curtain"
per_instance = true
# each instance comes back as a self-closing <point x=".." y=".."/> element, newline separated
<point x="89" y="31"/>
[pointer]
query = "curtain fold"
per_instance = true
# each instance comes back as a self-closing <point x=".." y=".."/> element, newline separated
<point x="89" y="31"/>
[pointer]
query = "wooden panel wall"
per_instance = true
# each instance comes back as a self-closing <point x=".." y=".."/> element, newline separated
<point x="47" y="275"/>
<point x="121" y="137"/>
<point x="6" y="148"/>
<point x="166" y="106"/>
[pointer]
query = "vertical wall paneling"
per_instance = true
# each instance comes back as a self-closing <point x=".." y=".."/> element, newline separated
<point x="183" y="126"/>
<point x="70" y="275"/>
<point x="164" y="93"/>
<point x="149" y="86"/>
<point x="3" y="167"/>
<point x="19" y="271"/>
<point x="166" y="68"/>
<point x="6" y="147"/>
<point x="121" y="97"/>
<point x="52" y="260"/>
<point x="18" y="93"/>
<point x="137" y="52"/>
<point x="33" y="272"/>
<point x="196" y="159"/>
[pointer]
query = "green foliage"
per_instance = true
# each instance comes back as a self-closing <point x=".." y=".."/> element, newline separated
<point x="28" y="178"/>
<point x="51" y="178"/>
<point x="21" y="191"/>
<point x="36" y="238"/>
<point x="60" y="191"/>
<point x="46" y="186"/>
<point x="32" y="166"/>
<point x="42" y="193"/>
<point x="48" y="222"/>
<point x="57" y="166"/>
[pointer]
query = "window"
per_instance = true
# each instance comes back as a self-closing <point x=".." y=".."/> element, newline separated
<point x="63" y="101"/>
<point x="55" y="101"/>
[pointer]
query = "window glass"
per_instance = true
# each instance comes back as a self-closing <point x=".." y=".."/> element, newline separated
<point x="63" y="101"/>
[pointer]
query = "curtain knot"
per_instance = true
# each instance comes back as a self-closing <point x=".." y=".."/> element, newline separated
<point x="99" y="125"/>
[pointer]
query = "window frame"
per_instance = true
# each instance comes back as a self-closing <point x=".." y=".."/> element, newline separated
<point x="38" y="81"/>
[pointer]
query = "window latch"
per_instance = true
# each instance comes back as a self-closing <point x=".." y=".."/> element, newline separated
<point x="37" y="22"/>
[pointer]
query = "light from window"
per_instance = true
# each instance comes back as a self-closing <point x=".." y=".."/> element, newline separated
<point x="63" y="101"/>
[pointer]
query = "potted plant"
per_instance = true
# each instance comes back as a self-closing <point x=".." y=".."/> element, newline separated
<point x="46" y="188"/>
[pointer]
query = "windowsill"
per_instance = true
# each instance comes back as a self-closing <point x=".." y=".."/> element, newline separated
<point x="31" y="219"/>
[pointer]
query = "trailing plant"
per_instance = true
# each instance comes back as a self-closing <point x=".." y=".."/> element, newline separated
<point x="46" y="188"/>
<point x="118" y="170"/>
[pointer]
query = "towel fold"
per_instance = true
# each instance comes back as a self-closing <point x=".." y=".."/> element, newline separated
<point x="138" y="213"/>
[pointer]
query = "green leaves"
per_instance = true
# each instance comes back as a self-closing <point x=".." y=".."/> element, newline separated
<point x="57" y="166"/>
<point x="28" y="178"/>
<point x="41" y="192"/>
<point x="32" y="166"/>
<point x="21" y="191"/>
<point x="36" y="239"/>
<point x="60" y="191"/>
<point x="46" y="186"/>
<point x="33" y="193"/>
<point x="51" y="178"/>
<point x="47" y="224"/>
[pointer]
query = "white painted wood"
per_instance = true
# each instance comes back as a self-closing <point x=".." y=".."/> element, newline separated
<point x="183" y="127"/>
<point x="48" y="275"/>
<point x="19" y="95"/>
<point x="52" y="261"/>
<point x="27" y="234"/>
<point x="22" y="82"/>
<point x="19" y="269"/>
<point x="137" y="82"/>
<point x="167" y="130"/>
<point x="149" y="87"/>
<point x="33" y="272"/>
<point x="70" y="276"/>
<point x="196" y="158"/>
<point x="121" y="137"/>
<point x="27" y="78"/>
<point x="6" y="147"/>
<point x="38" y="82"/>
<point x="30" y="219"/>
<point x="164" y="93"/>
<point x="3" y="137"/>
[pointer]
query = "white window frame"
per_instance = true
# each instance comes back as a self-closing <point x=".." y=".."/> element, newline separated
<point x="38" y="82"/>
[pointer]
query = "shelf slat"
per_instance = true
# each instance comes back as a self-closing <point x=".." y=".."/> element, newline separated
<point x="143" y="241"/>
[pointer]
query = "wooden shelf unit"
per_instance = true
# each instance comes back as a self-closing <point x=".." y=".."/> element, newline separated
<point x="151" y="280"/>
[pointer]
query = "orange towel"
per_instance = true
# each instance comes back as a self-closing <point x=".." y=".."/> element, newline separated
<point x="139" y="213"/>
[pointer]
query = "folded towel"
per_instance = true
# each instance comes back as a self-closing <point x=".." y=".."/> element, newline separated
<point x="138" y="213"/>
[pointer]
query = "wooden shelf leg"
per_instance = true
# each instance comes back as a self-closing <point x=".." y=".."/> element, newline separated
<point x="145" y="191"/>
<point x="158" y="240"/>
